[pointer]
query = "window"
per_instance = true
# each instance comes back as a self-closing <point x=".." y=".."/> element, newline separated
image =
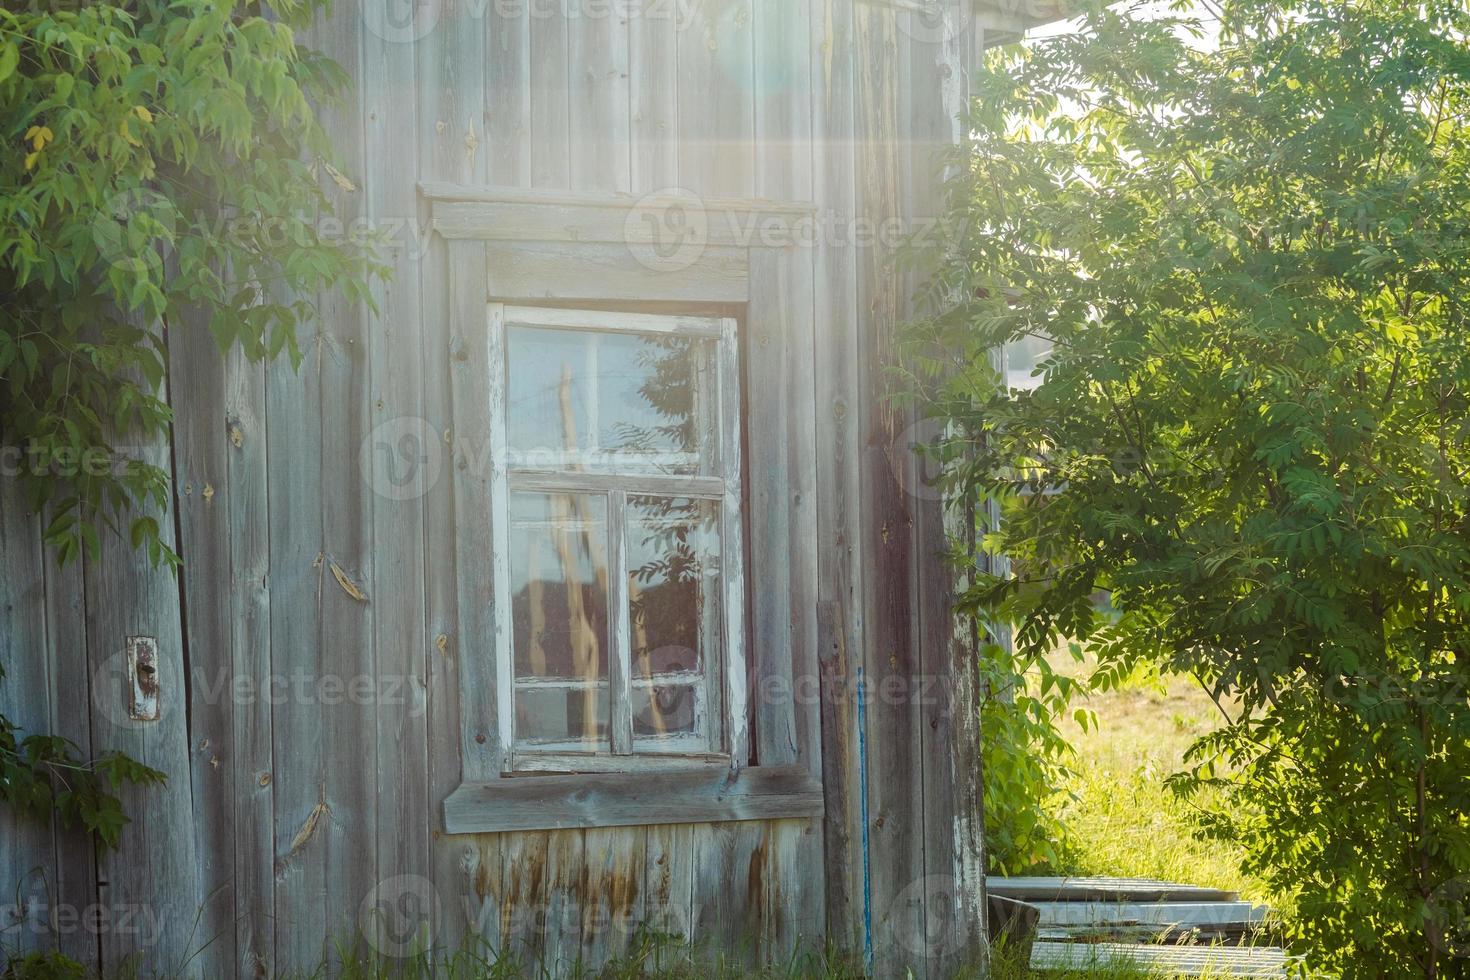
<point x="617" y="483"/>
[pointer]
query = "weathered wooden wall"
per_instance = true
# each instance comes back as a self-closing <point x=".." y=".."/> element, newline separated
<point x="299" y="816"/>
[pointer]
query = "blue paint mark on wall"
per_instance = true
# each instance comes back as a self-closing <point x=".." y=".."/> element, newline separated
<point x="862" y="723"/>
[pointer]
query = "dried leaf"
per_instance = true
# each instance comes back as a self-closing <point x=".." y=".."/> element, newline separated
<point x="307" y="829"/>
<point x="338" y="178"/>
<point x="347" y="584"/>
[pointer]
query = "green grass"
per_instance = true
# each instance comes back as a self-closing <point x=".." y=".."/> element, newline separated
<point x="1122" y="819"/>
<point x="651" y="956"/>
<point x="1006" y="964"/>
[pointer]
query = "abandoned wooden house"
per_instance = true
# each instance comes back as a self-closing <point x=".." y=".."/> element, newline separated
<point x="588" y="582"/>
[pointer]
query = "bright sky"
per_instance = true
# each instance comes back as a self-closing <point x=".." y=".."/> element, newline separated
<point x="1157" y="8"/>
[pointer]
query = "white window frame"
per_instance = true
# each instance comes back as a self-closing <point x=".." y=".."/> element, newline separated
<point x="731" y="744"/>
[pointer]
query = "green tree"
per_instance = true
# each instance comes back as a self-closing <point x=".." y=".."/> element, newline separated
<point x="1242" y="233"/>
<point x="156" y="157"/>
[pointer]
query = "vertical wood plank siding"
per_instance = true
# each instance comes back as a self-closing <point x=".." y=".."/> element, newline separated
<point x="954" y="860"/>
<point x="203" y="500"/>
<point x="26" y="847"/>
<point x="896" y="767"/>
<point x="451" y="125"/>
<point x="154" y="869"/>
<point x="401" y="643"/>
<point x="839" y="502"/>
<point x="314" y="562"/>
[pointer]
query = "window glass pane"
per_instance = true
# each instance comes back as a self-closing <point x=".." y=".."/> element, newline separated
<point x="612" y="402"/>
<point x="558" y="578"/>
<point x="673" y="584"/>
<point x="666" y="710"/>
<point x="562" y="715"/>
<point x="1023" y="356"/>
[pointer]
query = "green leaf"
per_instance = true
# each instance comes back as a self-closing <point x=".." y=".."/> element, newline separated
<point x="9" y="58"/>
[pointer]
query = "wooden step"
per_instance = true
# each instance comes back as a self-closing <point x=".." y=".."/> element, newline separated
<point x="1187" y="961"/>
<point x="1162" y="920"/>
<point x="1139" y="890"/>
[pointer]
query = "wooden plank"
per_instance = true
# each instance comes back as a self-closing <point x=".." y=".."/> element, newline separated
<point x="565" y="900"/>
<point x="154" y="869"/>
<point x="613" y="894"/>
<point x="1103" y="889"/>
<point x="716" y="107"/>
<point x="452" y="67"/>
<point x="298" y="568"/>
<point x="202" y="495"/>
<point x="1189" y="961"/>
<point x="948" y="681"/>
<point x="480" y="623"/>
<point x="550" y="271"/>
<point x="893" y="735"/>
<point x="653" y="52"/>
<point x="523" y="908"/>
<point x="793" y="916"/>
<point x="747" y="224"/>
<point x="71" y="718"/>
<point x="449" y="191"/>
<point x="669" y="879"/>
<point x="459" y="62"/>
<point x="782" y="121"/>
<point x="838" y="480"/>
<point x="1222" y="915"/>
<point x="550" y="101"/>
<point x="480" y="893"/>
<point x="772" y="319"/>
<point x="644" y="323"/>
<point x="728" y="894"/>
<point x="252" y="792"/>
<point x="27" y="856"/>
<point x="507" y="100"/>
<point x="498" y="387"/>
<point x="344" y="829"/>
<point x="785" y="166"/>
<point x="737" y="697"/>
<point x="613" y="800"/>
<point x="629" y="765"/>
<point x="599" y="98"/>
<point x="400" y="438"/>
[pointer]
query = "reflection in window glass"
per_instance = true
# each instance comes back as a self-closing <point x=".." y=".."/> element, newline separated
<point x="666" y="710"/>
<point x="1022" y="358"/>
<point x="559" y="620"/>
<point x="673" y="583"/>
<point x="561" y="715"/>
<point x="673" y="549"/>
<point x="611" y="401"/>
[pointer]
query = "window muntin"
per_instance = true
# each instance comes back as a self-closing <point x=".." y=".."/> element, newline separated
<point x="619" y="480"/>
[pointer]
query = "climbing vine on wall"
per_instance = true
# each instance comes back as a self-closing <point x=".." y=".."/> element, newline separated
<point x="161" y="169"/>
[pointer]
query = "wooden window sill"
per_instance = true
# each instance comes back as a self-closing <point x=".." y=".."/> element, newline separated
<point x="699" y="795"/>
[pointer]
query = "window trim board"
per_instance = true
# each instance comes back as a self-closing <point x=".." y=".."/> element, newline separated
<point x="700" y="794"/>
